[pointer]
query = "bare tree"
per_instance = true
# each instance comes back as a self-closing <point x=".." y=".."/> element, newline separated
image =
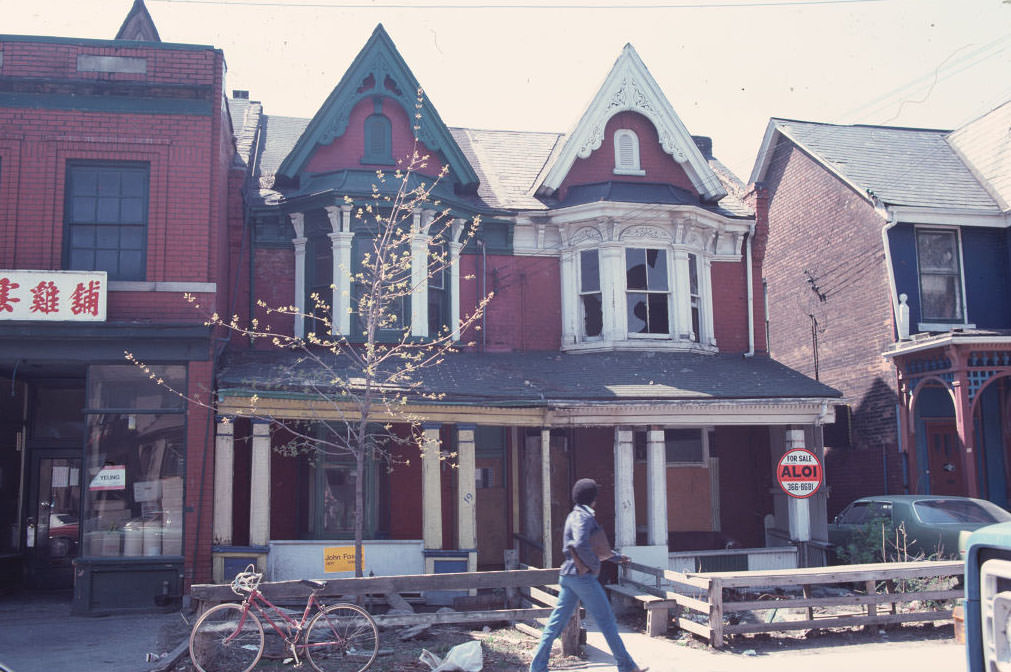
<point x="364" y="382"/>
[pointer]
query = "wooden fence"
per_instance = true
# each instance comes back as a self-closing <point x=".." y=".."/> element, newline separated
<point x="539" y="588"/>
<point x="699" y="602"/>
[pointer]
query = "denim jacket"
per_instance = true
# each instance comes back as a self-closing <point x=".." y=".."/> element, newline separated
<point x="579" y="527"/>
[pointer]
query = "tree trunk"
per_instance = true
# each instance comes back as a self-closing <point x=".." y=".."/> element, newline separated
<point x="359" y="507"/>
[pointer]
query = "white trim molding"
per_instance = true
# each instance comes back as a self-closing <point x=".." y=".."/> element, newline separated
<point x="630" y="87"/>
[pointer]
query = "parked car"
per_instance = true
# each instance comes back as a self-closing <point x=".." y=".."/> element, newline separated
<point x="915" y="525"/>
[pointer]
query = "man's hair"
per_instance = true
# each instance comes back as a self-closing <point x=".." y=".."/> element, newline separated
<point x="584" y="491"/>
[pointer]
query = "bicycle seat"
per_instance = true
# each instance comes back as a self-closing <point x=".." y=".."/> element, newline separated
<point x="315" y="585"/>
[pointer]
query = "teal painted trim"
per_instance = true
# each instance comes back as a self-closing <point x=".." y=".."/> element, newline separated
<point x="379" y="59"/>
<point x="121" y="44"/>
<point x="116" y="104"/>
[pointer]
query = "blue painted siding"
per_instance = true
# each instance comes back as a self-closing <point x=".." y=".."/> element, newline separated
<point x="902" y="241"/>
<point x="985" y="254"/>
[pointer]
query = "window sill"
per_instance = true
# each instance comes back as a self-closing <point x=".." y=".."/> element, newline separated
<point x="943" y="326"/>
<point x="645" y="344"/>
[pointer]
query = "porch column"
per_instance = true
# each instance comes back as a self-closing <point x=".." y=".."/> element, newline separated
<point x="546" y="497"/>
<point x="466" y="505"/>
<point x="340" y="244"/>
<point x="966" y="431"/>
<point x="431" y="487"/>
<point x="454" y="279"/>
<point x="624" y="494"/>
<point x="656" y="488"/>
<point x="259" y="484"/>
<point x="224" y="471"/>
<point x="419" y="273"/>
<point x="298" y="223"/>
<point x="799" y="509"/>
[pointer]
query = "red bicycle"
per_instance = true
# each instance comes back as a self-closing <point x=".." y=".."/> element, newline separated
<point x="341" y="637"/>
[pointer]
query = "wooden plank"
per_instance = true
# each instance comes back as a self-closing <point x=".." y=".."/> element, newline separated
<point x="542" y="596"/>
<point x="433" y="618"/>
<point x="716" y="613"/>
<point x="700" y="629"/>
<point x="286" y="590"/>
<point x="690" y="602"/>
<point x="632" y="592"/>
<point x="838" y="622"/>
<point x="836" y="574"/>
<point x="695" y="581"/>
<point x="854" y="600"/>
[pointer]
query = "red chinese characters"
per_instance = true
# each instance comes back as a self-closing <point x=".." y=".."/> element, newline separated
<point x="45" y="298"/>
<point x="85" y="298"/>
<point x="7" y="301"/>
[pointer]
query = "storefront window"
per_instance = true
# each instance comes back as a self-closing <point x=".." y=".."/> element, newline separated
<point x="135" y="457"/>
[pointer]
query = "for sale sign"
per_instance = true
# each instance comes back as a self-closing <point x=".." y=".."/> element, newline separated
<point x="799" y="473"/>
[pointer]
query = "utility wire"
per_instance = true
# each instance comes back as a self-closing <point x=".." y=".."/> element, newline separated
<point x="442" y="5"/>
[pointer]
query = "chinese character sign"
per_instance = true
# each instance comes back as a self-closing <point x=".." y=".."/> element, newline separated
<point x="53" y="296"/>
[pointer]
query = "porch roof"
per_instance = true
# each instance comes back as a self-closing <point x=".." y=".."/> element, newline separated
<point x="543" y="379"/>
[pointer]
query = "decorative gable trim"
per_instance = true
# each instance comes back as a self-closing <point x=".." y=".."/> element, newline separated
<point x="630" y="87"/>
<point x="378" y="70"/>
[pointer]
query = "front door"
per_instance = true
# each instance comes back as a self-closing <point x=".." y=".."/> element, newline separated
<point x="944" y="459"/>
<point x="52" y="518"/>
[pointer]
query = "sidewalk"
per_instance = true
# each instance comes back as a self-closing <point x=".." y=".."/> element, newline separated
<point x="665" y="655"/>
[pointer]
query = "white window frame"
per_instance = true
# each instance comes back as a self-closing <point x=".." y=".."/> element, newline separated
<point x="669" y="293"/>
<point x="631" y="167"/>
<point x="933" y="324"/>
<point x="581" y="334"/>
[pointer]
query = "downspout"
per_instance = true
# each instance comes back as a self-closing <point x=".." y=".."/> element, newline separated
<point x="890" y="223"/>
<point x="751" y="293"/>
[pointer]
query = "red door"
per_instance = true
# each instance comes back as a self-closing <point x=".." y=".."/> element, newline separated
<point x="944" y="459"/>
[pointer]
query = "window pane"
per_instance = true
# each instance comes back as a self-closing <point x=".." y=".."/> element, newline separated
<point x="656" y="273"/>
<point x="658" y="323"/>
<point x="937" y="251"/>
<point x="635" y="268"/>
<point x="107" y="237"/>
<point x="82" y="236"/>
<point x="82" y="260"/>
<point x="108" y="183"/>
<point x="108" y="261"/>
<point x="637" y="315"/>
<point x="133" y="475"/>
<point x="131" y="238"/>
<point x="683" y="445"/>
<point x="131" y="265"/>
<point x="941" y="297"/>
<point x="84" y="182"/>
<point x="132" y="211"/>
<point x="108" y="210"/>
<point x="589" y="271"/>
<point x="693" y="275"/>
<point x="82" y="209"/>
<point x="133" y="184"/>
<point x="119" y="386"/>
<point x="436" y="311"/>
<point x="338" y="500"/>
<point x="593" y="321"/>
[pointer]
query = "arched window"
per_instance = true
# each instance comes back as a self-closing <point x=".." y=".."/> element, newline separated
<point x="378" y="139"/>
<point x="626" y="153"/>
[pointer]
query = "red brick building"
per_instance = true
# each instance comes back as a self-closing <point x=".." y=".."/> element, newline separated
<point x="114" y="201"/>
<point x="625" y="340"/>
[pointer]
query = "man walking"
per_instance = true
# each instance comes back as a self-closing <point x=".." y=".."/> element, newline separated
<point x="584" y="545"/>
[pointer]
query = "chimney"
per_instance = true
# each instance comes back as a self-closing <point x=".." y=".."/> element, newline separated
<point x="705" y="145"/>
<point x="240" y="94"/>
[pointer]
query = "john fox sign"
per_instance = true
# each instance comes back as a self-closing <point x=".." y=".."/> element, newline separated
<point x="799" y="473"/>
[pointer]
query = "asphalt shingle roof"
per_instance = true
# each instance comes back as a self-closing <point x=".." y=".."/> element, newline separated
<point x="538" y="378"/>
<point x="901" y="166"/>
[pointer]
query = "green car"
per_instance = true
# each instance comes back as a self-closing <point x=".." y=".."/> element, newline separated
<point x="915" y="526"/>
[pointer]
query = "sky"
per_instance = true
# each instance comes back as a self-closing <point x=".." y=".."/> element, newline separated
<point x="726" y="66"/>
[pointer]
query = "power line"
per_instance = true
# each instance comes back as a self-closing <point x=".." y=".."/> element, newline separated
<point x="744" y="4"/>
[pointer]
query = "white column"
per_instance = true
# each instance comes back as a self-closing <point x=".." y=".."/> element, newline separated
<point x="624" y="494"/>
<point x="340" y="245"/>
<point x="569" y="267"/>
<point x="800" y="509"/>
<point x="454" y="279"/>
<point x="656" y="488"/>
<point x="419" y="284"/>
<point x="431" y="487"/>
<point x="682" y="322"/>
<point x="224" y="470"/>
<point x="612" y="289"/>
<point x="466" y="506"/>
<point x="546" y="497"/>
<point x="259" y="486"/>
<point x="706" y="299"/>
<point x="298" y="222"/>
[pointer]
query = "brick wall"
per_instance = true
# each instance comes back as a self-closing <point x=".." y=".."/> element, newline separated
<point x="825" y="259"/>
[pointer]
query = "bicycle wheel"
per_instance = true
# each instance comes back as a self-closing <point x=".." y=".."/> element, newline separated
<point x="226" y="640"/>
<point x="342" y="638"/>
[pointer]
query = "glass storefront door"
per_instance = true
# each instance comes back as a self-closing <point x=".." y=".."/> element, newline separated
<point x="53" y="515"/>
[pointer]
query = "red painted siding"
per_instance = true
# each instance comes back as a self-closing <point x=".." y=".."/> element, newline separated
<point x="346" y="152"/>
<point x="660" y="167"/>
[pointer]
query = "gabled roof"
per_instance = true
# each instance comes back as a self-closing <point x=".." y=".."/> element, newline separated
<point x="900" y="166"/>
<point x="985" y="145"/>
<point x="379" y="61"/>
<point x="630" y="87"/>
<point x="138" y="25"/>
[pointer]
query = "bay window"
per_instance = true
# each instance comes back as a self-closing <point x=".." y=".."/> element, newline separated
<point x="648" y="294"/>
<point x="590" y="299"/>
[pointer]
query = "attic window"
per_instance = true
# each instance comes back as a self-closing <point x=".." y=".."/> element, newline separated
<point x="378" y="133"/>
<point x="626" y="153"/>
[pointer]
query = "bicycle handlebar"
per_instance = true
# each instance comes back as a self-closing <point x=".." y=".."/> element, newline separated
<point x="246" y="582"/>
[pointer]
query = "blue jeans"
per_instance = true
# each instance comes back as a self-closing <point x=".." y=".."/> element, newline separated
<point x="585" y="589"/>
